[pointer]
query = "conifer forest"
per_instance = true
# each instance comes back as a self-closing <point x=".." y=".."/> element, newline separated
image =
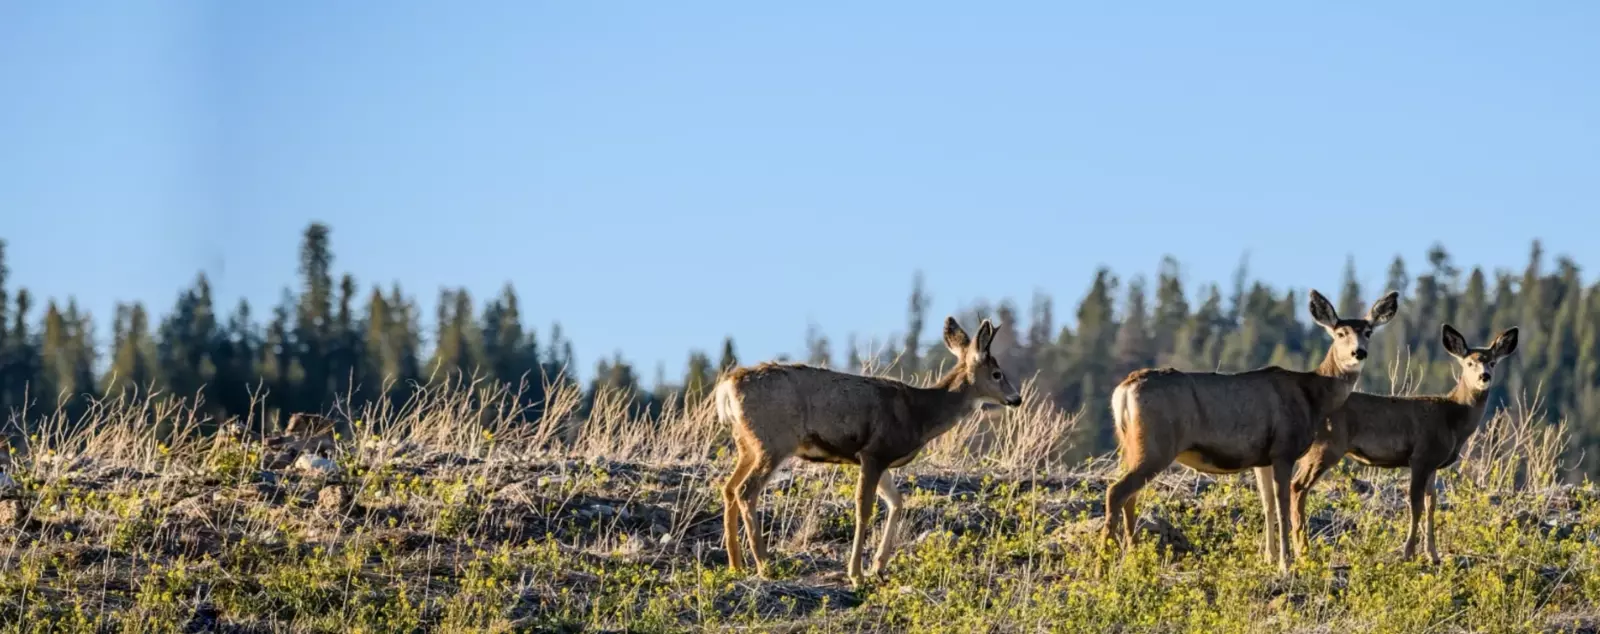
<point x="333" y="342"/>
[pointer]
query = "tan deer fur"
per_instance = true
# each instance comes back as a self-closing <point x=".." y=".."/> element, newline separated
<point x="1222" y="423"/>
<point x="782" y="410"/>
<point x="1420" y="433"/>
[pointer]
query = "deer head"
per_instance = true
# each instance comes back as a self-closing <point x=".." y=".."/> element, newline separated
<point x="977" y="367"/>
<point x="1350" y="336"/>
<point x="1477" y="364"/>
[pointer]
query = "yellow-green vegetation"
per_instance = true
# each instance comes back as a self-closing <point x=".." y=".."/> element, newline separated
<point x="446" y="516"/>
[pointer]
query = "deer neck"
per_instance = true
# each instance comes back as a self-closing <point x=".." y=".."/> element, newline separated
<point x="1474" y="399"/>
<point x="1344" y="379"/>
<point x="937" y="408"/>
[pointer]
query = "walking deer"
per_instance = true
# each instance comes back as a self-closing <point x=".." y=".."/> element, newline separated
<point x="1421" y="433"/>
<point x="782" y="410"/>
<point x="1222" y="423"/>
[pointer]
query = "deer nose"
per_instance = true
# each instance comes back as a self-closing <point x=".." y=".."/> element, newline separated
<point x="1013" y="400"/>
<point x="1484" y="377"/>
<point x="1360" y="354"/>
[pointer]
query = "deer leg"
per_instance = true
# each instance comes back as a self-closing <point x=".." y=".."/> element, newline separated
<point x="1312" y="467"/>
<point x="1130" y="519"/>
<point x="891" y="524"/>
<point x="1266" y="485"/>
<point x="866" y="505"/>
<point x="1430" y="502"/>
<point x="731" y="510"/>
<point x="1120" y="503"/>
<point x="1282" y="471"/>
<point x="1419" y="491"/>
<point x="749" y="492"/>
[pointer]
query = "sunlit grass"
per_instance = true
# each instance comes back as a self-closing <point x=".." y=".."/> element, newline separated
<point x="452" y="513"/>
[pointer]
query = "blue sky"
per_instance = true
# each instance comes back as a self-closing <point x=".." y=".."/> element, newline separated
<point x="658" y="175"/>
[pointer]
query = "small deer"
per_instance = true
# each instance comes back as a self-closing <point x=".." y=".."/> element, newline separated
<point x="782" y="410"/>
<point x="1223" y="423"/>
<point x="1421" y="433"/>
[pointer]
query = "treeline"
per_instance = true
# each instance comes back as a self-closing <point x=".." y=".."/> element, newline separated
<point x="327" y="342"/>
<point x="330" y="340"/>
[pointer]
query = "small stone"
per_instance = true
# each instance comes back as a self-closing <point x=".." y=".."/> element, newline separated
<point x="332" y="499"/>
<point x="316" y="465"/>
<point x="10" y="512"/>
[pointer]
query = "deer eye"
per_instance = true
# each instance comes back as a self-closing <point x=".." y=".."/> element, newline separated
<point x="996" y="375"/>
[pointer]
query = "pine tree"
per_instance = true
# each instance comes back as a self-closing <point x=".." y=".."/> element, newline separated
<point x="281" y="373"/>
<point x="1241" y="278"/>
<point x="1091" y="358"/>
<point x="1398" y="279"/>
<point x="133" y="369"/>
<point x="345" y="346"/>
<point x="383" y="356"/>
<point x="1172" y="309"/>
<point x="8" y="375"/>
<point x="55" y="350"/>
<point x="699" y="379"/>
<point x="729" y="360"/>
<point x="1133" y="349"/>
<point x="916" y="315"/>
<point x="235" y="356"/>
<point x="314" y="322"/>
<point x="1350" y="303"/>
<point x="818" y="351"/>
<point x="184" y="345"/>
<point x="1472" y="312"/>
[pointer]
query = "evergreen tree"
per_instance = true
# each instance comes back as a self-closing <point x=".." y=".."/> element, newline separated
<point x="1134" y="349"/>
<point x="729" y="360"/>
<point x="1350" y="302"/>
<point x="1172" y="308"/>
<point x="916" y="315"/>
<point x="699" y="379"/>
<point x="314" y="322"/>
<point x="1399" y="280"/>
<point x="818" y="351"/>
<point x="1472" y="312"/>
<point x="133" y="365"/>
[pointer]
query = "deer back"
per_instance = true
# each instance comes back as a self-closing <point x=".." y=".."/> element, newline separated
<point x="1233" y="419"/>
<point x="792" y="407"/>
<point x="1396" y="431"/>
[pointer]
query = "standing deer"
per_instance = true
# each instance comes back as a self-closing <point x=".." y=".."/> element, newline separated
<point x="782" y="410"/>
<point x="1421" y="433"/>
<point x="1222" y="423"/>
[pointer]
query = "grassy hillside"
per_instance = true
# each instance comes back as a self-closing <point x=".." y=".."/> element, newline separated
<point x="444" y="516"/>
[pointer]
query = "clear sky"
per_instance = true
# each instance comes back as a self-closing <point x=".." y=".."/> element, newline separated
<point x="657" y="175"/>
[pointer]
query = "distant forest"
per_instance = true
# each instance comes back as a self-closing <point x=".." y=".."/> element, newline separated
<point x="332" y="340"/>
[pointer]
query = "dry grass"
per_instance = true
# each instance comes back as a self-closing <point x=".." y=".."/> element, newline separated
<point x="455" y="511"/>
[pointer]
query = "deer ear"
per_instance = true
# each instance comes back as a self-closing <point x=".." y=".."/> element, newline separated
<point x="1322" y="310"/>
<point x="1384" y="309"/>
<point x="1505" y="344"/>
<point x="986" y="332"/>
<point x="1454" y="343"/>
<point x="954" y="337"/>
